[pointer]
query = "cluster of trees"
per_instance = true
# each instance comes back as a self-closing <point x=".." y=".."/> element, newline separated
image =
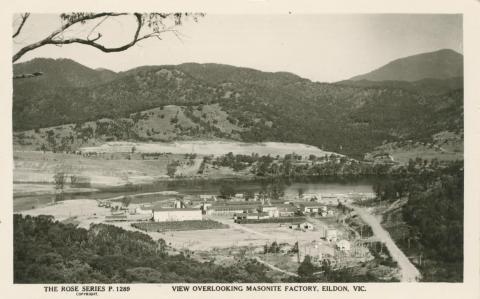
<point x="47" y="251"/>
<point x="236" y="162"/>
<point x="275" y="248"/>
<point x="433" y="213"/>
<point x="325" y="272"/>
<point x="292" y="165"/>
<point x="204" y="127"/>
<point x="172" y="168"/>
<point x="270" y="190"/>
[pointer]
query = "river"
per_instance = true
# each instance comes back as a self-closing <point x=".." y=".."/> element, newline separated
<point x="291" y="189"/>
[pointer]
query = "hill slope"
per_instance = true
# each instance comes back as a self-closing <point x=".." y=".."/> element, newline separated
<point x="425" y="86"/>
<point x="440" y="64"/>
<point x="221" y="101"/>
<point x="60" y="73"/>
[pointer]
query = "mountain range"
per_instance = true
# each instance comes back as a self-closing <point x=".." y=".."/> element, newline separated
<point x="412" y="98"/>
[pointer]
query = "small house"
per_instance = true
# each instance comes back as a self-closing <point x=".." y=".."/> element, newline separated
<point x="208" y="197"/>
<point x="343" y="245"/>
<point x="286" y="210"/>
<point x="311" y="197"/>
<point x="272" y="211"/>
<point x="330" y="234"/>
<point x="143" y="210"/>
<point x="310" y="207"/>
<point x="238" y="197"/>
<point x="330" y="200"/>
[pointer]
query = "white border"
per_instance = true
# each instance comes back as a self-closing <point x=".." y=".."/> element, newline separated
<point x="469" y="8"/>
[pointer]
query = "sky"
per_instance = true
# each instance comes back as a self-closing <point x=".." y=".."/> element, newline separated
<point x="325" y="48"/>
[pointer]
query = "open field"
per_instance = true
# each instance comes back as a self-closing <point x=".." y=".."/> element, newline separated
<point x="84" y="211"/>
<point x="215" y="148"/>
<point x="39" y="167"/>
<point x="178" y="225"/>
<point x="252" y="235"/>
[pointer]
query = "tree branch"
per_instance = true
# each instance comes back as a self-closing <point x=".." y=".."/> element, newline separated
<point x="92" y="42"/>
<point x="50" y="39"/>
<point x="153" y="21"/>
<point x="101" y="47"/>
<point x="24" y="19"/>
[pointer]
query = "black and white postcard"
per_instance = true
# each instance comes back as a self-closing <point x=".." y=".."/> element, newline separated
<point x="195" y="152"/>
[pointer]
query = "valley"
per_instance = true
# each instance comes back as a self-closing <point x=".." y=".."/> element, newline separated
<point x="225" y="167"/>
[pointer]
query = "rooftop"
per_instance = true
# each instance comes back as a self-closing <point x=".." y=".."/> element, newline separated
<point x="310" y="204"/>
<point x="161" y="209"/>
<point x="232" y="207"/>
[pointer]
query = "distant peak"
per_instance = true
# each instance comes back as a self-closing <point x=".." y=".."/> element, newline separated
<point x="439" y="64"/>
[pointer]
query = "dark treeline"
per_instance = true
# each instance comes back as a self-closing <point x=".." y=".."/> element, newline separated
<point x="47" y="251"/>
<point x="433" y="214"/>
<point x="325" y="272"/>
<point x="295" y="166"/>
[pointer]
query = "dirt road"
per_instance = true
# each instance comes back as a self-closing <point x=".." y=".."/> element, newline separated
<point x="408" y="271"/>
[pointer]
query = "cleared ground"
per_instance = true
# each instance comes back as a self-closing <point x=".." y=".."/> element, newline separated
<point x="209" y="148"/>
<point x="236" y="235"/>
<point x="83" y="211"/>
<point x="39" y="167"/>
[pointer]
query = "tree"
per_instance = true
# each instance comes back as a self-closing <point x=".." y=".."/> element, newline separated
<point x="85" y="28"/>
<point x="306" y="268"/>
<point x="327" y="268"/>
<point x="249" y="195"/>
<point x="126" y="200"/>
<point x="172" y="168"/>
<point x="59" y="179"/>
<point x="294" y="248"/>
<point x="227" y="191"/>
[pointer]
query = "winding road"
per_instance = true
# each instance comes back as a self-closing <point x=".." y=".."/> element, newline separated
<point x="407" y="270"/>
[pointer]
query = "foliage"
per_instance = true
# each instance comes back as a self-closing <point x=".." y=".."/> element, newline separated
<point x="433" y="213"/>
<point x="148" y="25"/>
<point x="47" y="251"/>
<point x="274" y="107"/>
<point x="274" y="248"/>
<point x="227" y="190"/>
<point x="126" y="200"/>
<point x="60" y="180"/>
<point x="172" y="168"/>
<point x="306" y="268"/>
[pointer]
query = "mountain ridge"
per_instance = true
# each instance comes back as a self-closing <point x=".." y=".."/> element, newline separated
<point x="440" y="64"/>
<point x="214" y="98"/>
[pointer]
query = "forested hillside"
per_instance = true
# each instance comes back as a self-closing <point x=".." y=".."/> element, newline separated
<point x="429" y="225"/>
<point x="47" y="251"/>
<point x="257" y="106"/>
